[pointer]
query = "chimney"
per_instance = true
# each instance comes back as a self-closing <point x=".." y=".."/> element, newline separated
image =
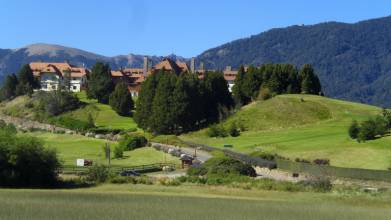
<point x="145" y="67"/>
<point x="192" y="65"/>
<point x="228" y="68"/>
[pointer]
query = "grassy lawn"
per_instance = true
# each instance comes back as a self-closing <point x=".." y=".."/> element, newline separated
<point x="103" y="114"/>
<point x="72" y="147"/>
<point x="186" y="202"/>
<point x="277" y="126"/>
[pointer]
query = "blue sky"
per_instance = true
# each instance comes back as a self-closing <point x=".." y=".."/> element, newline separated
<point x="186" y="28"/>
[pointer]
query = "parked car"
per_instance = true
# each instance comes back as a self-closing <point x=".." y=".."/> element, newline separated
<point x="129" y="173"/>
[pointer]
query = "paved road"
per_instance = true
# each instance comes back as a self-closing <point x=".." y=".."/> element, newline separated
<point x="199" y="154"/>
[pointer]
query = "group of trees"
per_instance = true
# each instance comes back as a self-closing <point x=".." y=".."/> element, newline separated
<point x="169" y="104"/>
<point x="274" y="79"/>
<point x="371" y="128"/>
<point x="24" y="161"/>
<point x="21" y="84"/>
<point x="100" y="86"/>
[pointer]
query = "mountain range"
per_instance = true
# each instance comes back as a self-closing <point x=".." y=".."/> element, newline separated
<point x="353" y="61"/>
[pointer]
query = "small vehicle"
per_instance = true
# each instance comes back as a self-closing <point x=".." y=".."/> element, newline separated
<point x="129" y="173"/>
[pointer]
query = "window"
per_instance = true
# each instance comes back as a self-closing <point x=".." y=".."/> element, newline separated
<point x="74" y="87"/>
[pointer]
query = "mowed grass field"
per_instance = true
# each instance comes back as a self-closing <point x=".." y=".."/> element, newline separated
<point x="187" y="202"/>
<point x="103" y="115"/>
<point x="316" y="127"/>
<point x="72" y="147"/>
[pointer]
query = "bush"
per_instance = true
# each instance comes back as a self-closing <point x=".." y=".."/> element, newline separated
<point x="224" y="165"/>
<point x="197" y="171"/>
<point x="98" y="173"/>
<point x="70" y="123"/>
<point x="131" y="142"/>
<point x="25" y="162"/>
<point x="118" y="152"/>
<point x="354" y="129"/>
<point x="318" y="184"/>
<point x="264" y="155"/>
<point x="299" y="160"/>
<point x="233" y="130"/>
<point x="322" y="162"/>
<point x="165" y="181"/>
<point x="217" y="131"/>
<point x="264" y="94"/>
<point x="57" y="102"/>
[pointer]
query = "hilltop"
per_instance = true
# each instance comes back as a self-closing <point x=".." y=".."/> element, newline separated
<point x="304" y="126"/>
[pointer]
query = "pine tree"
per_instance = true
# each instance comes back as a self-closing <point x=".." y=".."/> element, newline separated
<point x="163" y="117"/>
<point x="8" y="90"/>
<point x="121" y="100"/>
<point x="26" y="81"/>
<point x="143" y="115"/>
<point x="310" y="83"/>
<point x="237" y="90"/>
<point x="251" y="84"/>
<point x="99" y="83"/>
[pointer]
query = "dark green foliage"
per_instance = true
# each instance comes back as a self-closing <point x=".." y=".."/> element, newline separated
<point x="372" y="128"/>
<point x="273" y="79"/>
<point x="121" y="100"/>
<point x="26" y="81"/>
<point x="132" y="142"/>
<point x="217" y="131"/>
<point x="71" y="123"/>
<point x="264" y="155"/>
<point x="57" y="102"/>
<point x="354" y="130"/>
<point x="118" y="152"/>
<point x="387" y="117"/>
<point x="163" y="112"/>
<point x="234" y="130"/>
<point x="145" y="100"/>
<point x="319" y="184"/>
<point x="310" y="83"/>
<point x="25" y="162"/>
<point x="99" y="83"/>
<point x="238" y="88"/>
<point x="90" y="121"/>
<point x="8" y="91"/>
<point x="98" y="173"/>
<point x="170" y="104"/>
<point x="226" y="166"/>
<point x="216" y="97"/>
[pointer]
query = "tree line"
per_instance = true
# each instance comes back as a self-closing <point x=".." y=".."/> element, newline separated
<point x="274" y="79"/>
<point x="22" y="83"/>
<point x="171" y="104"/>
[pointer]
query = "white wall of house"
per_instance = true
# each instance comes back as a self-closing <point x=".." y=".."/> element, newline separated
<point x="51" y="82"/>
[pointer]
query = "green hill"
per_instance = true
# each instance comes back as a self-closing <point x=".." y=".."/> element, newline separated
<point x="304" y="126"/>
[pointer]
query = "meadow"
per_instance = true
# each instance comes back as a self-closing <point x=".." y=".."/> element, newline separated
<point x="72" y="147"/>
<point x="103" y="115"/>
<point x="187" y="202"/>
<point x="303" y="126"/>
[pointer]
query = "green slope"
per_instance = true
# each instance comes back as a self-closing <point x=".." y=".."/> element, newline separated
<point x="315" y="128"/>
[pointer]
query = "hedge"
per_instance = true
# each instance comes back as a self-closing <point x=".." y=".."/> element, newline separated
<point x="323" y="170"/>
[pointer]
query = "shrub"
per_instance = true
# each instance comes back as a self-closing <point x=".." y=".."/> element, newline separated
<point x="217" y="131"/>
<point x="224" y="165"/>
<point x="264" y="155"/>
<point x="131" y="142"/>
<point x="233" y="130"/>
<point x="354" y="129"/>
<point x="299" y="160"/>
<point x="165" y="181"/>
<point x="71" y="123"/>
<point x="318" y="184"/>
<point x="122" y="179"/>
<point x="25" y="162"/>
<point x="264" y="94"/>
<point x="322" y="162"/>
<point x="197" y="171"/>
<point x="57" y="102"/>
<point x="98" y="173"/>
<point x="118" y="151"/>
